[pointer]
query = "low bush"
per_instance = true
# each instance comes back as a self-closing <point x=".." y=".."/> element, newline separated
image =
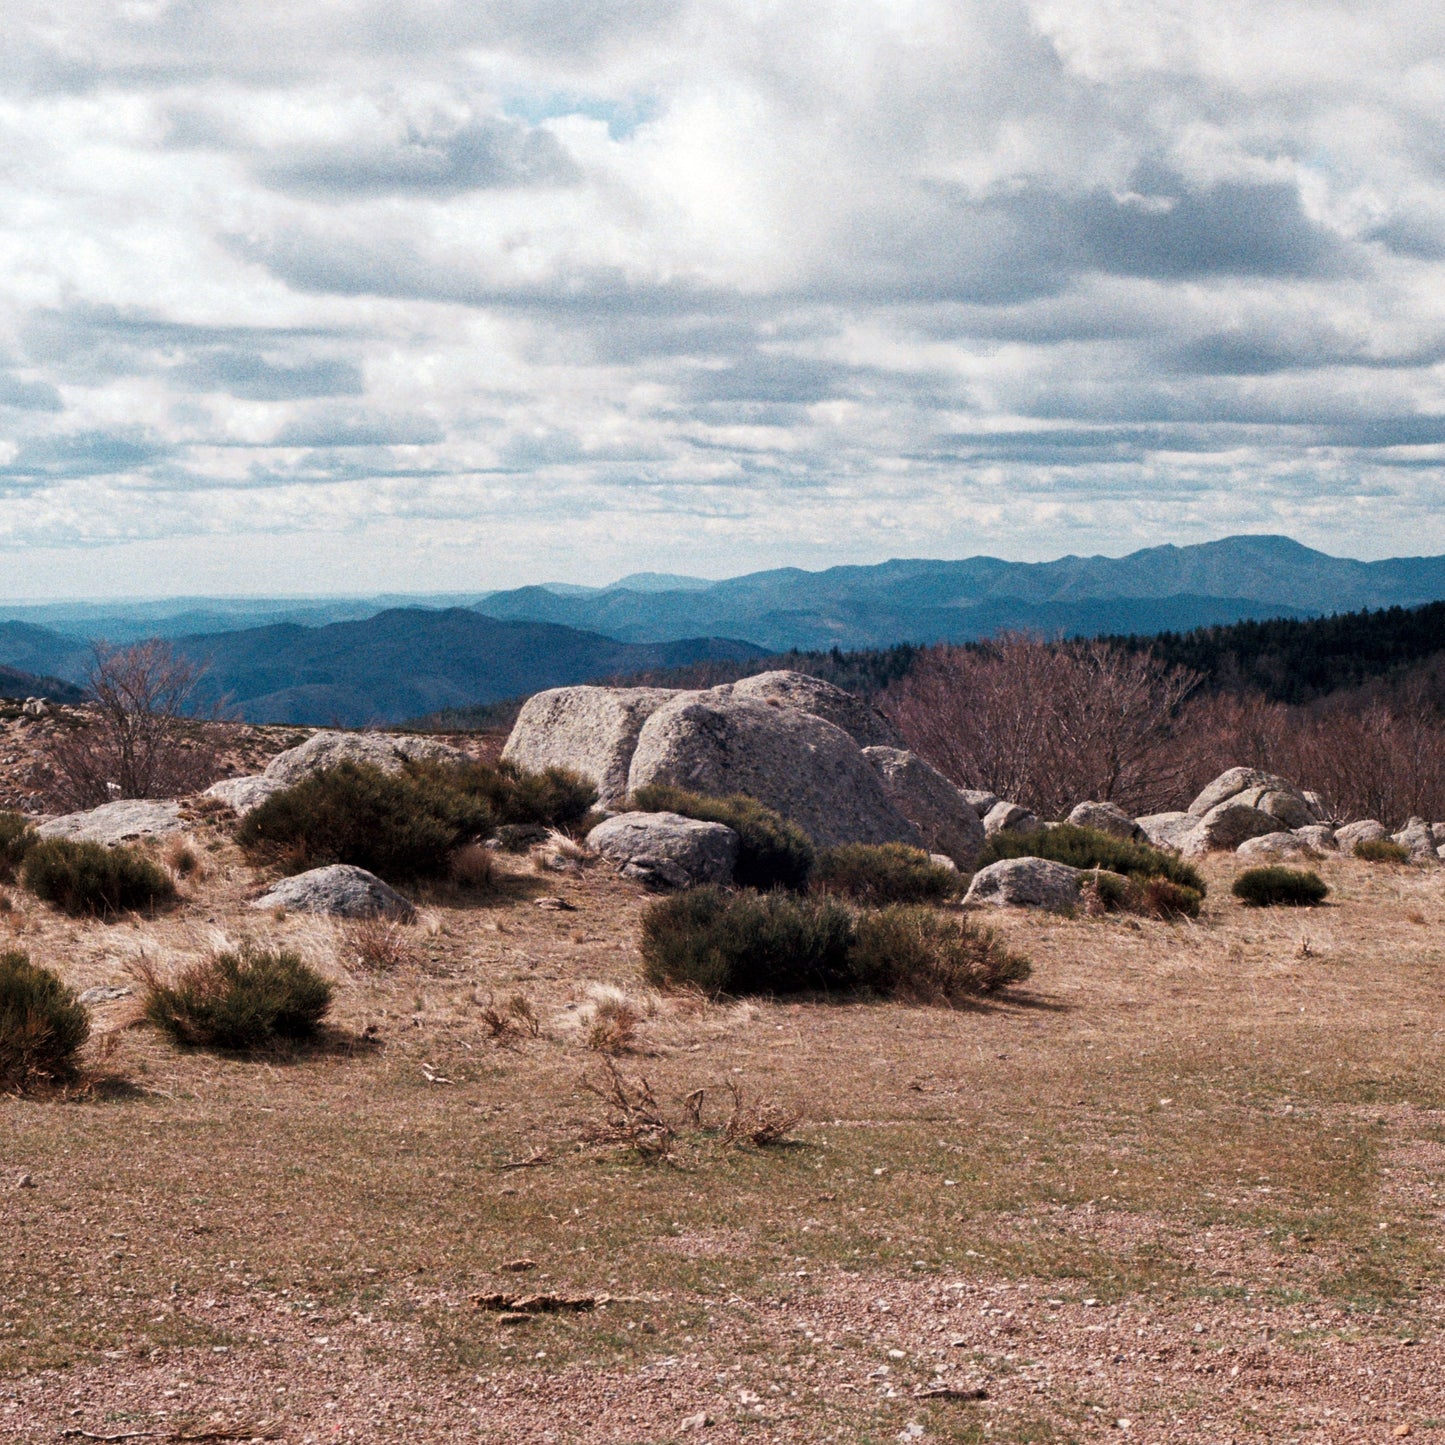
<point x="1089" y="848"/>
<point x="1106" y="892"/>
<point x="774" y="943"/>
<point x="930" y="957"/>
<point x="768" y="943"/>
<point x="89" y="878"/>
<point x="1275" y="887"/>
<point x="243" y="998"/>
<point x="513" y="797"/>
<point x="774" y="853"/>
<point x="17" y="838"/>
<point x="1381" y="850"/>
<point x="400" y="826"/>
<point x="42" y="1026"/>
<point x="1167" y="900"/>
<point x="883" y="873"/>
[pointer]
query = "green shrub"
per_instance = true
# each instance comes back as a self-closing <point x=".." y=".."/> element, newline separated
<point x="242" y="998"/>
<point x="1167" y="900"/>
<point x="1381" y="850"/>
<point x="930" y="957"/>
<point x="883" y="873"/>
<point x="1272" y="887"/>
<point x="768" y="943"/>
<point x="400" y="826"/>
<point x="773" y="852"/>
<point x="89" y="878"/>
<point x="1089" y="848"/>
<point x="42" y="1026"/>
<point x="17" y="838"/>
<point x="553" y="798"/>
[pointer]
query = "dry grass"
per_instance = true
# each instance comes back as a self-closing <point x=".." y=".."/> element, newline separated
<point x="1151" y="1187"/>
<point x="380" y="945"/>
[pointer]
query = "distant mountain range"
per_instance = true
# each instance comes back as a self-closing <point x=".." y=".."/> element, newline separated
<point x="1159" y="589"/>
<point x="355" y="661"/>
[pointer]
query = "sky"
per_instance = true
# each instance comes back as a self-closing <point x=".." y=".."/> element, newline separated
<point x="363" y="295"/>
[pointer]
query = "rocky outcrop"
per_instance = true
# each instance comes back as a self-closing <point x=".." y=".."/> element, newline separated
<point x="244" y="794"/>
<point x="1009" y="818"/>
<point x="388" y="751"/>
<point x="1319" y="836"/>
<point x="666" y="850"/>
<point x="1107" y="818"/>
<point x="128" y="820"/>
<point x="1364" y="830"/>
<point x="859" y="719"/>
<point x="1224" y="827"/>
<point x="591" y="730"/>
<point x="341" y="890"/>
<point x="1276" y="847"/>
<point x="793" y="762"/>
<point x="1026" y="883"/>
<point x="1264" y="792"/>
<point x="945" y="819"/>
<point x="980" y="800"/>
<point x="1167" y="830"/>
<point x="1419" y="837"/>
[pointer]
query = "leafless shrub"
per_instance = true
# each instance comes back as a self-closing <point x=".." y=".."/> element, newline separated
<point x="139" y="738"/>
<point x="614" y="1025"/>
<point x="761" y="1122"/>
<point x="512" y="1021"/>
<point x="632" y="1116"/>
<point x="474" y="867"/>
<point x="381" y="945"/>
<point x="1046" y="724"/>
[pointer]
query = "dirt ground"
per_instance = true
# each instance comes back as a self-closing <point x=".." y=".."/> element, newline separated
<point x="1186" y="1185"/>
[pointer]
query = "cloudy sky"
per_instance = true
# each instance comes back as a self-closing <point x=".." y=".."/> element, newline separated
<point x="352" y="295"/>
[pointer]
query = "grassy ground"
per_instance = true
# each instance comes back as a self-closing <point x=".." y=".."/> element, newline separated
<point x="1187" y="1186"/>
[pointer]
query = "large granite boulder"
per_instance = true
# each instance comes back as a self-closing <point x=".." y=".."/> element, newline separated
<point x="980" y="800"/>
<point x="666" y="850"/>
<point x="859" y="719"/>
<point x="1264" y="792"/>
<point x="1276" y="848"/>
<point x="342" y="890"/>
<point x="591" y="730"/>
<point x="1419" y="837"/>
<point x="1319" y="836"/>
<point x="1026" y="883"/>
<point x="1224" y="827"/>
<point x="1107" y="818"/>
<point x="388" y="751"/>
<point x="1363" y="830"/>
<point x="794" y="762"/>
<point x="944" y="818"/>
<point x="244" y="794"/>
<point x="1007" y="817"/>
<point x="128" y="820"/>
<point x="1167" y="830"/>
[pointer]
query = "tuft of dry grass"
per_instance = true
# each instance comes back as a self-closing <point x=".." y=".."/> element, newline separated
<point x="380" y="945"/>
<point x="182" y="859"/>
<point x="473" y="867"/>
<point x="612" y="1018"/>
<point x="512" y="1021"/>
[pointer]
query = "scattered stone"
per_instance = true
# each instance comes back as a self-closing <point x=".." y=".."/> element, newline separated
<point x="34" y="707"/>
<point x="946" y="820"/>
<point x="1266" y="792"/>
<point x="341" y="890"/>
<point x="1009" y="818"/>
<point x="244" y="794"/>
<point x="555" y="905"/>
<point x="1366" y="830"/>
<point x="938" y="1390"/>
<point x="1026" y="883"/>
<point x="518" y="1266"/>
<point x="25" y="1181"/>
<point x="125" y="821"/>
<point x="591" y="730"/>
<point x="1167" y="830"/>
<point x="106" y="993"/>
<point x="1107" y="818"/>
<point x="1418" y="836"/>
<point x="700" y="1421"/>
<point x="666" y="850"/>
<point x="1276" y="845"/>
<point x="793" y="762"/>
<point x="539" y="1304"/>
<point x="859" y="719"/>
<point x="388" y="751"/>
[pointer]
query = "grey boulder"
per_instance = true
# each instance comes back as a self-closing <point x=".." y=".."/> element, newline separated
<point x="666" y="850"/>
<point x="796" y="763"/>
<point x="1319" y="836"/>
<point x="341" y="890"/>
<point x="244" y="794"/>
<point x="1264" y="792"/>
<point x="859" y="719"/>
<point x="128" y="820"/>
<point x="1167" y="830"/>
<point x="1224" y="827"/>
<point x="1107" y="818"/>
<point x="591" y="730"/>
<point x="1272" y="846"/>
<point x="1419" y="837"/>
<point x="944" y="818"/>
<point x="980" y="800"/>
<point x="1364" y="830"/>
<point x="388" y="751"/>
<point x="1009" y="818"/>
<point x="1026" y="883"/>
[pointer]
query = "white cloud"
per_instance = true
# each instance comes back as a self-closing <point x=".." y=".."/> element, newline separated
<point x="467" y="295"/>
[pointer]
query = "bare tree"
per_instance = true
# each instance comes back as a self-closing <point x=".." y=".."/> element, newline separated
<point x="139" y="738"/>
<point x="1047" y="724"/>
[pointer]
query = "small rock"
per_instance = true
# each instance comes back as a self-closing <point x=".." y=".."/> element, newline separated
<point x="665" y="850"/>
<point x="341" y="889"/>
<point x="511" y="1318"/>
<point x="104" y="994"/>
<point x="519" y="1266"/>
<point x="1026" y="883"/>
<point x="555" y="905"/>
<point x="25" y="1182"/>
<point x="1009" y="818"/>
<point x="1107" y="818"/>
<point x="700" y="1421"/>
